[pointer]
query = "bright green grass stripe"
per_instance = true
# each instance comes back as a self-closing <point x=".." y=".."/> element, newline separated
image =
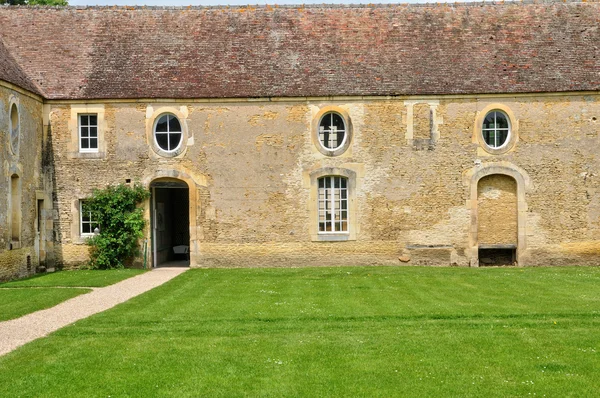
<point x="436" y="360"/>
<point x="81" y="278"/>
<point x="374" y="332"/>
<point x="15" y="303"/>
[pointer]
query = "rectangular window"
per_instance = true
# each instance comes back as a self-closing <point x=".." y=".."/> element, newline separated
<point x="88" y="132"/>
<point x="87" y="222"/>
<point x="333" y="204"/>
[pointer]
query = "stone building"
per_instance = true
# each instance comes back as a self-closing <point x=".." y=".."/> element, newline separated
<point x="463" y="134"/>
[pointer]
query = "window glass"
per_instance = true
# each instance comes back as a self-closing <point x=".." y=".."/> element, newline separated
<point x="87" y="222"/>
<point x="332" y="204"/>
<point x="88" y="133"/>
<point x="332" y="130"/>
<point x="168" y="133"/>
<point x="496" y="129"/>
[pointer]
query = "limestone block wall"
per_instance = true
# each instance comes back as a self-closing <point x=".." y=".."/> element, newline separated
<point x="21" y="184"/>
<point x="414" y="165"/>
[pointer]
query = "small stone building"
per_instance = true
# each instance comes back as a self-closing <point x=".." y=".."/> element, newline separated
<point x="449" y="134"/>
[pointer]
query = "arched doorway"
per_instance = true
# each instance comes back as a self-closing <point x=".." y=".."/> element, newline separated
<point x="170" y="222"/>
<point x="497" y="226"/>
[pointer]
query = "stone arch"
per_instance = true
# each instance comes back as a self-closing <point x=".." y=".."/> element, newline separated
<point x="193" y="182"/>
<point x="472" y="178"/>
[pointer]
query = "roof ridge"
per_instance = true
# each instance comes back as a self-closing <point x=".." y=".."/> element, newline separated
<point x="309" y="6"/>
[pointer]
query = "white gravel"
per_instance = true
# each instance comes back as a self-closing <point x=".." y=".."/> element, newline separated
<point x="17" y="332"/>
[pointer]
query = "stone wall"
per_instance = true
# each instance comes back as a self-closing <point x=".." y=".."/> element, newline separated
<point x="21" y="184"/>
<point x="415" y="162"/>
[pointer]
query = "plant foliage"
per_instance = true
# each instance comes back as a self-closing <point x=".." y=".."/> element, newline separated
<point x="121" y="223"/>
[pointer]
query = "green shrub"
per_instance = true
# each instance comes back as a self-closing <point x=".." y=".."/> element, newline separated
<point x="121" y="223"/>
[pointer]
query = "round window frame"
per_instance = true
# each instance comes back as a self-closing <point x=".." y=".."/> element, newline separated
<point x="14" y="105"/>
<point x="513" y="129"/>
<point x="157" y="148"/>
<point x="346" y="142"/>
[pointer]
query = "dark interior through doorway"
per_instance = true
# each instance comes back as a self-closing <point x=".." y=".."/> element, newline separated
<point x="171" y="223"/>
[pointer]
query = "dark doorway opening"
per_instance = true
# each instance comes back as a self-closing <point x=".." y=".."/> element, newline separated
<point x="497" y="256"/>
<point x="170" y="223"/>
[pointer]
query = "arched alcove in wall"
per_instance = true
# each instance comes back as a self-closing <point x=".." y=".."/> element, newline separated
<point x="497" y="226"/>
<point x="502" y="185"/>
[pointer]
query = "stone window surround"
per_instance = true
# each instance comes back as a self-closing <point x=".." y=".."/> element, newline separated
<point x="513" y="135"/>
<point x="13" y="103"/>
<point x="76" y="236"/>
<point x="351" y="177"/>
<point x="73" y="146"/>
<point x="152" y="115"/>
<point x="315" y="130"/>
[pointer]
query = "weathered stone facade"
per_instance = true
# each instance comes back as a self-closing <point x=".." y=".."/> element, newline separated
<point x="424" y="187"/>
<point x="25" y="206"/>
<point x="249" y="165"/>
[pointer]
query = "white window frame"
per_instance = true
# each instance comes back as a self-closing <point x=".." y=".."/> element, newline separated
<point x="91" y="222"/>
<point x="331" y="131"/>
<point x="332" y="202"/>
<point x="495" y="129"/>
<point x="89" y="125"/>
<point x="168" y="133"/>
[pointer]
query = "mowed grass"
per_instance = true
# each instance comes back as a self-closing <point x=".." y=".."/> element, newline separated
<point x="24" y="296"/>
<point x="15" y="303"/>
<point x="331" y="332"/>
<point x="80" y="278"/>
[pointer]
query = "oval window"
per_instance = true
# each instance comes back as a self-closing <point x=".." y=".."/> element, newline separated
<point x="496" y="129"/>
<point x="332" y="131"/>
<point x="167" y="132"/>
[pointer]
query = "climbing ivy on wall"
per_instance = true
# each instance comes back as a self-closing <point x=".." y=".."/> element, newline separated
<point x="121" y="223"/>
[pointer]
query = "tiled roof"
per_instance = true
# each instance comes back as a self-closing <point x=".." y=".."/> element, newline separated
<point x="12" y="73"/>
<point x="139" y="52"/>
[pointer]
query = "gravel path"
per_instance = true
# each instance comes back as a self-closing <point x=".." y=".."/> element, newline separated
<point x="16" y="332"/>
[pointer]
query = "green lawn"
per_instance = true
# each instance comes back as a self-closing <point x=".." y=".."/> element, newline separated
<point x="18" y="302"/>
<point x="24" y="296"/>
<point x="322" y="332"/>
<point x="94" y="278"/>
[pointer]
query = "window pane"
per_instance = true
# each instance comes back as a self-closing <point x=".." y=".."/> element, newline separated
<point x="84" y="120"/>
<point x="162" y="141"/>
<point x="84" y="132"/>
<point x="93" y="120"/>
<point x="174" y="140"/>
<point x="338" y="122"/>
<point x="161" y="126"/>
<point x="321" y="183"/>
<point x="501" y="121"/>
<point x="174" y="124"/>
<point x="93" y="132"/>
<point x="340" y="138"/>
<point x="502" y="137"/>
<point x="488" y="123"/>
<point x="94" y="143"/>
<point x="86" y="228"/>
<point x="85" y="143"/>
